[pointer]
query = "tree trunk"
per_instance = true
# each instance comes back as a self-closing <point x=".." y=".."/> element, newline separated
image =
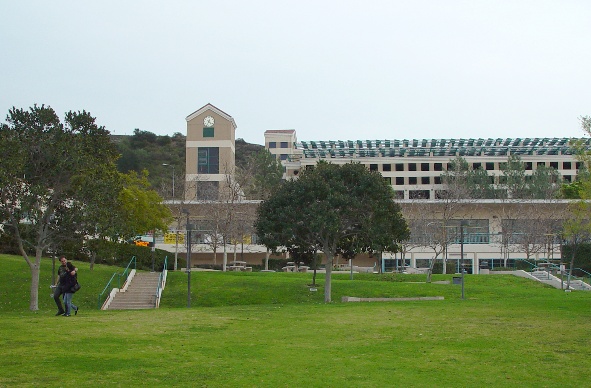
<point x="327" y="282"/>
<point x="92" y="259"/>
<point x="35" y="271"/>
<point x="572" y="265"/>
<point x="430" y="271"/>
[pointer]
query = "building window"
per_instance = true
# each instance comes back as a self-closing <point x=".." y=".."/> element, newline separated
<point x="419" y="194"/>
<point x="424" y="166"/>
<point x="388" y="180"/>
<point x="554" y="165"/>
<point x="567" y="178"/>
<point x="208" y="132"/>
<point x="272" y="144"/>
<point x="283" y="157"/>
<point x="476" y="166"/>
<point x="490" y="166"/>
<point x="373" y="167"/>
<point x="437" y="180"/>
<point x="399" y="167"/>
<point x="528" y="166"/>
<point x="283" y="144"/>
<point x="438" y="167"/>
<point x="425" y="180"/>
<point x="579" y="165"/>
<point x="412" y="167"/>
<point x="207" y="190"/>
<point x="386" y="167"/>
<point x="566" y="165"/>
<point x="412" y="180"/>
<point x="399" y="180"/>
<point x="399" y="194"/>
<point x="208" y="160"/>
<point x="541" y="164"/>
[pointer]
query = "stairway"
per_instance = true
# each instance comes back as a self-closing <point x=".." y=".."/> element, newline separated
<point x="140" y="293"/>
<point x="579" y="285"/>
<point x="548" y="278"/>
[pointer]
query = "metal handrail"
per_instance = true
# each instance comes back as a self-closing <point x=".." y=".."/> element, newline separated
<point x="161" y="281"/>
<point x="125" y="274"/>
<point x="582" y="278"/>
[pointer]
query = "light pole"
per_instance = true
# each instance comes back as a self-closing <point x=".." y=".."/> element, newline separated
<point x="153" y="247"/>
<point x="171" y="165"/>
<point x="188" y="237"/>
<point x="462" y="224"/>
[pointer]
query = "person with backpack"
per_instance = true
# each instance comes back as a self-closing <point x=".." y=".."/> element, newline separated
<point x="67" y="278"/>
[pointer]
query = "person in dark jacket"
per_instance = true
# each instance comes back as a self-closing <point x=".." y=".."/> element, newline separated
<point x="67" y="274"/>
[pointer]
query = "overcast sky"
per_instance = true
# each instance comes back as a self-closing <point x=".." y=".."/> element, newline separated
<point x="331" y="70"/>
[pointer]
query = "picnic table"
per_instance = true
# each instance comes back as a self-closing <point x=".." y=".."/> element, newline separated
<point x="293" y="267"/>
<point x="239" y="266"/>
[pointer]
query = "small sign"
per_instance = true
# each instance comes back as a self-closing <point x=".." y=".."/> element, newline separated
<point x="171" y="238"/>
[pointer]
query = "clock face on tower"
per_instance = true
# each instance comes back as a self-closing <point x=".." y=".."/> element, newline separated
<point x="208" y="121"/>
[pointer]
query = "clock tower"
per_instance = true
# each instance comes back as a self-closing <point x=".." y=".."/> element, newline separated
<point x="210" y="153"/>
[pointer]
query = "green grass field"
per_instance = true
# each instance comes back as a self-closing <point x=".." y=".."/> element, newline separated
<point x="268" y="329"/>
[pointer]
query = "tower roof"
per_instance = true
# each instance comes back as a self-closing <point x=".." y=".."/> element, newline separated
<point x="217" y="111"/>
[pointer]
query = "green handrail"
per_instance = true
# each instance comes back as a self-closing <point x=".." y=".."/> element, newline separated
<point x="124" y="274"/>
<point x="161" y="281"/>
<point x="582" y="278"/>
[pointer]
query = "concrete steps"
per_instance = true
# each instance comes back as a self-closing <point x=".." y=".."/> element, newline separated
<point x="140" y="293"/>
<point x="575" y="284"/>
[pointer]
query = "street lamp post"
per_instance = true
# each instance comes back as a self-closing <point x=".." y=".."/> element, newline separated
<point x="462" y="224"/>
<point x="153" y="247"/>
<point x="171" y="165"/>
<point x="188" y="259"/>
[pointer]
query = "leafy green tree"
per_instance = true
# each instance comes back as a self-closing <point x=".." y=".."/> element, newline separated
<point x="543" y="183"/>
<point x="572" y="190"/>
<point x="576" y="229"/>
<point x="325" y="207"/>
<point x="514" y="177"/>
<point x="261" y="175"/>
<point x="59" y="185"/>
<point x="42" y="170"/>
<point x="141" y="208"/>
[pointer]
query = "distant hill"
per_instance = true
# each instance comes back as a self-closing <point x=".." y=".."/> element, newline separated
<point x="159" y="154"/>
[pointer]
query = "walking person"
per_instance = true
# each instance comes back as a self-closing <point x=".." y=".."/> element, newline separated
<point x="67" y="274"/>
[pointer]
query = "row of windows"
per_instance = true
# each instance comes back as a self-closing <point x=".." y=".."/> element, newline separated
<point x="283" y="144"/>
<point x="436" y="180"/>
<point x="489" y="166"/>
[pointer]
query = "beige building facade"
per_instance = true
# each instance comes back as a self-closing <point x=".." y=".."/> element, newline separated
<point x="414" y="167"/>
<point x="491" y="233"/>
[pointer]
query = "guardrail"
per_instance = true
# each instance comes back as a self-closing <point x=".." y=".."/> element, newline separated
<point x="124" y="275"/>
<point x="161" y="281"/>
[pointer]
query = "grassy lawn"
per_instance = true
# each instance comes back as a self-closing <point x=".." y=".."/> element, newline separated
<point x="268" y="329"/>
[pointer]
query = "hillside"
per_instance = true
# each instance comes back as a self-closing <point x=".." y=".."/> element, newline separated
<point x="163" y="155"/>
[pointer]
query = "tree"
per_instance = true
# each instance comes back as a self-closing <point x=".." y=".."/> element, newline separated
<point x="576" y="230"/>
<point x="576" y="227"/>
<point x="261" y="175"/>
<point x="328" y="205"/>
<point x="141" y="208"/>
<point x="458" y="192"/>
<point x="43" y="165"/>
